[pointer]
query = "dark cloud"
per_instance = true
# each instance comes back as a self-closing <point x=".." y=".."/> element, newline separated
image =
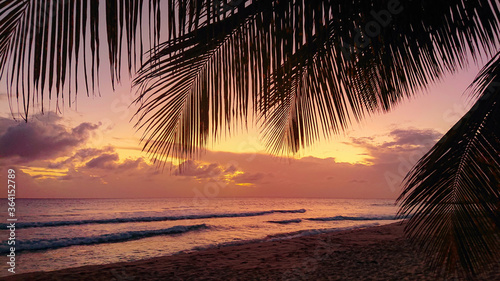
<point x="191" y="168"/>
<point x="84" y="129"/>
<point x="130" y="164"/>
<point x="406" y="143"/>
<point x="5" y="123"/>
<point x="413" y="137"/>
<point x="402" y="138"/>
<point x="66" y="177"/>
<point x="249" y="178"/>
<point x="358" y="181"/>
<point x="41" y="138"/>
<point x="216" y="171"/>
<point x="394" y="159"/>
<point x="110" y="161"/>
<point x="104" y="161"/>
<point x="231" y="169"/>
<point x="80" y="156"/>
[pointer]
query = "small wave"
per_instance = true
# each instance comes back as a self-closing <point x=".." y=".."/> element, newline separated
<point x="309" y="232"/>
<point x="61" y="215"/>
<point x="147" y="219"/>
<point x="286" y="221"/>
<point x="346" y="218"/>
<point x="279" y="237"/>
<point x="49" y="244"/>
<point x="383" y="204"/>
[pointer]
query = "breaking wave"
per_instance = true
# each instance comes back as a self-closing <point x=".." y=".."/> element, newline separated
<point x="48" y="244"/>
<point x="148" y="219"/>
<point x="346" y="218"/>
<point x="286" y="221"/>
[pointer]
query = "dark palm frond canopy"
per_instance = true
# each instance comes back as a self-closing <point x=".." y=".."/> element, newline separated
<point x="46" y="44"/>
<point x="453" y="194"/>
<point x="302" y="68"/>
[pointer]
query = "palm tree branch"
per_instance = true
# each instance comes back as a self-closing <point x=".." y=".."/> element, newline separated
<point x="451" y="196"/>
<point x="179" y="75"/>
<point x="352" y="83"/>
<point x="41" y="42"/>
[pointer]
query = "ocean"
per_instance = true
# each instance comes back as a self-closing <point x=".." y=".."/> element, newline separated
<point x="54" y="234"/>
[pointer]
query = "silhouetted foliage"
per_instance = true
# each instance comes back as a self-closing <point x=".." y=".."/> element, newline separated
<point x="302" y="68"/>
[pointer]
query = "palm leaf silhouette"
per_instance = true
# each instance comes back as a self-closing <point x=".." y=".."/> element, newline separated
<point x="452" y="195"/>
<point x="44" y="44"/>
<point x="298" y="67"/>
<point x="301" y="68"/>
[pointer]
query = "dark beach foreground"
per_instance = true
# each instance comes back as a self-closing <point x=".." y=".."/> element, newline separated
<point x="375" y="253"/>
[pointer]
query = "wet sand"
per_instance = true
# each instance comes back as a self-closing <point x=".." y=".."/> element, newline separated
<point x="374" y="253"/>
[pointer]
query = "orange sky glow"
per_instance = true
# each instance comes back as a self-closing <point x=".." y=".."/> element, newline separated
<point x="91" y="150"/>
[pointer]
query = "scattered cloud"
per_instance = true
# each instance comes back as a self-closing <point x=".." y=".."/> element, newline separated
<point x="358" y="181"/>
<point x="104" y="161"/>
<point x="80" y="156"/>
<point x="413" y="138"/>
<point x="250" y="178"/>
<point x="192" y="168"/>
<point x="231" y="169"/>
<point x="5" y="123"/>
<point x="129" y="164"/>
<point x="408" y="143"/>
<point x="111" y="161"/>
<point x="80" y="171"/>
<point x="66" y="178"/>
<point x="41" y="138"/>
<point x="230" y="173"/>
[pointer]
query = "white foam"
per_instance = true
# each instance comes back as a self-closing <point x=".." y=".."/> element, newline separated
<point x="148" y="219"/>
<point x="47" y="244"/>
<point x="348" y="218"/>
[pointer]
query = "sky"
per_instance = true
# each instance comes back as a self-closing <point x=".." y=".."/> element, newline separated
<point x="92" y="150"/>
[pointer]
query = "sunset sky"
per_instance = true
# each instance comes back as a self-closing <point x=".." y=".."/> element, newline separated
<point x="92" y="150"/>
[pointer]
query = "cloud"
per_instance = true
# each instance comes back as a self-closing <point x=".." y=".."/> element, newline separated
<point x="191" y="168"/>
<point x="130" y="164"/>
<point x="358" y="181"/>
<point x="5" y="123"/>
<point x="84" y="129"/>
<point x="402" y="138"/>
<point x="103" y="161"/>
<point x="80" y="155"/>
<point x="100" y="171"/>
<point x="394" y="159"/>
<point x="41" y="138"/>
<point x="408" y="143"/>
<point x="413" y="137"/>
<point x="231" y="169"/>
<point x="215" y="171"/>
<point x="249" y="177"/>
<point x="66" y="178"/>
<point x="110" y="161"/>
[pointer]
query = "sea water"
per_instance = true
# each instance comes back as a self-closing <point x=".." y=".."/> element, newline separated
<point x="53" y="234"/>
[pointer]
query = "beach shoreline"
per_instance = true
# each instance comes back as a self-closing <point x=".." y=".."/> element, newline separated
<point x="371" y="253"/>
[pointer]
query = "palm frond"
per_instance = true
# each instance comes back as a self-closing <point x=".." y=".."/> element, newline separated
<point x="298" y="65"/>
<point x="179" y="96"/>
<point x="452" y="195"/>
<point x="46" y="44"/>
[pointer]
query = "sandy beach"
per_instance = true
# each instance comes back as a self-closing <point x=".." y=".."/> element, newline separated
<point x="374" y="253"/>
